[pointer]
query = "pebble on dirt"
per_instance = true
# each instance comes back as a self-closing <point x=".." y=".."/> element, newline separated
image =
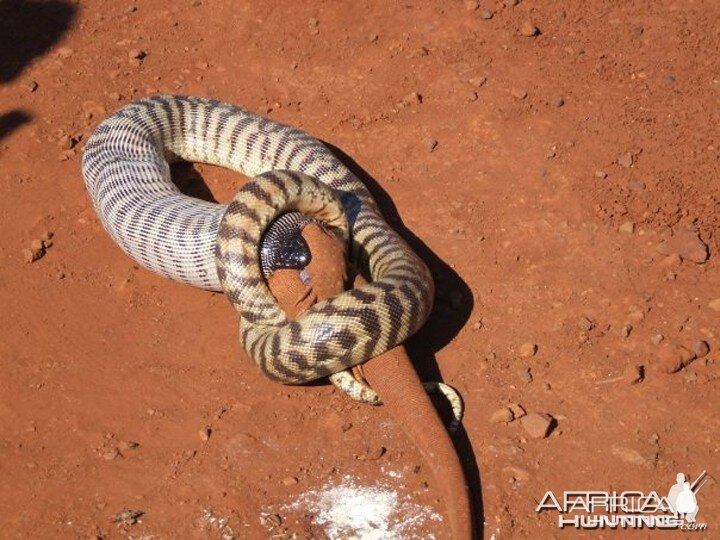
<point x="66" y="142"/>
<point x="634" y="374"/>
<point x="518" y="93"/>
<point x="585" y="324"/>
<point x="502" y="415"/>
<point x="673" y="359"/>
<point x="517" y="410"/>
<point x="687" y="244"/>
<point x="289" y="481"/>
<point x="558" y="101"/>
<point x="714" y="304"/>
<point x="430" y="144"/>
<point x="412" y="99"/>
<point x="657" y="339"/>
<point x="525" y="375"/>
<point x="471" y="5"/>
<point x="32" y="86"/>
<point x="628" y="227"/>
<point x="137" y="54"/>
<point x="528" y="349"/>
<point x="528" y="29"/>
<point x="602" y="175"/>
<point x="537" y="425"/>
<point x="701" y="348"/>
<point x="205" y="433"/>
<point x="128" y="517"/>
<point x="626" y="160"/>
<point x="478" y="81"/>
<point x="631" y="456"/>
<point x="486" y="14"/>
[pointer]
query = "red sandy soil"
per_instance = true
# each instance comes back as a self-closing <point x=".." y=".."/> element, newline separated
<point x="515" y="201"/>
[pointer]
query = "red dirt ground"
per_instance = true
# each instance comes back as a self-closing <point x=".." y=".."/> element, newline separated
<point x="528" y="241"/>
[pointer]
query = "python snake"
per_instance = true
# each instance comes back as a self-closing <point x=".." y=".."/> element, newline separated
<point x="217" y="247"/>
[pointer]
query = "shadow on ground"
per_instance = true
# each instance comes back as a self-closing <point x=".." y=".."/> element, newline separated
<point x="27" y="31"/>
<point x="12" y="120"/>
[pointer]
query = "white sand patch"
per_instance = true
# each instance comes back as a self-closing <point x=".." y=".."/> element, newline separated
<point x="347" y="510"/>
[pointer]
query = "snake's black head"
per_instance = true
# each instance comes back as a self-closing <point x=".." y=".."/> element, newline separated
<point x="283" y="246"/>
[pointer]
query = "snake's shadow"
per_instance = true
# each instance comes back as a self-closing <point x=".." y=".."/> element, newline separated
<point x="453" y="306"/>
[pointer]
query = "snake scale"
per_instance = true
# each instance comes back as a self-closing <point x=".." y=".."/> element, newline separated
<point x="217" y="247"/>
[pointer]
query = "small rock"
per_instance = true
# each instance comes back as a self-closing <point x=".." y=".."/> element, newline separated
<point x="525" y="375"/>
<point x="128" y="517"/>
<point x="137" y="54"/>
<point x="631" y="456"/>
<point x="65" y="52"/>
<point x="528" y="29"/>
<point x="471" y="5"/>
<point x="66" y="142"/>
<point x="372" y="38"/>
<point x="550" y="154"/>
<point x="517" y="410"/>
<point x="511" y="3"/>
<point x="557" y="101"/>
<point x="673" y="359"/>
<point x="714" y="304"/>
<point x="33" y="254"/>
<point x="628" y="227"/>
<point x="636" y="184"/>
<point x="486" y="14"/>
<point x="700" y="348"/>
<point x="585" y="324"/>
<point x="528" y="349"/>
<point x="518" y="93"/>
<point x="289" y="481"/>
<point x="313" y="22"/>
<point x="372" y="454"/>
<point x="205" y="433"/>
<point x="346" y="427"/>
<point x="602" y="175"/>
<point x="111" y="454"/>
<point x="31" y="86"/>
<point x="672" y="260"/>
<point x="124" y="446"/>
<point x="687" y="244"/>
<point x="477" y="325"/>
<point x="669" y="79"/>
<point x="502" y="415"/>
<point x="537" y="425"/>
<point x="626" y="160"/>
<point x="625" y="330"/>
<point x="472" y="97"/>
<point x="657" y="339"/>
<point x="634" y="374"/>
<point x="430" y="144"/>
<point x="478" y="81"/>
<point x="413" y="99"/>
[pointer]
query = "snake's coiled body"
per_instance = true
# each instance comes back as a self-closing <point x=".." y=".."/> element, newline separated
<point x="216" y="247"/>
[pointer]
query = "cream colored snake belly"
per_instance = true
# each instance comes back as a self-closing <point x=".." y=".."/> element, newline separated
<point x="216" y="247"/>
